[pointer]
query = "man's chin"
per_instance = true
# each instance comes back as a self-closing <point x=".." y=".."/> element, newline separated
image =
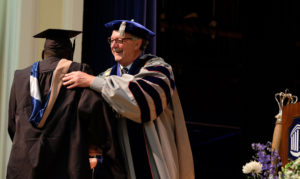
<point x="117" y="58"/>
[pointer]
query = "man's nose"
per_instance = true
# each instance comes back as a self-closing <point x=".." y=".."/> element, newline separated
<point x="113" y="44"/>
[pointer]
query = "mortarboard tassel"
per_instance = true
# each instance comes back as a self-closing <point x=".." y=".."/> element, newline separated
<point x="122" y="28"/>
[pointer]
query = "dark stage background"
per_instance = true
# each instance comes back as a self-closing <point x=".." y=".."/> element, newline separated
<point x="229" y="57"/>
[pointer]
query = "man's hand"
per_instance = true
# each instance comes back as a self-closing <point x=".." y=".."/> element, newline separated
<point x="77" y="79"/>
<point x="93" y="162"/>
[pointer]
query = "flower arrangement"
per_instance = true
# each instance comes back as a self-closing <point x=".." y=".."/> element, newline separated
<point x="265" y="164"/>
<point x="290" y="170"/>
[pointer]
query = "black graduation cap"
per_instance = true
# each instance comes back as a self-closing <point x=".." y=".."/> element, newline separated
<point x="131" y="27"/>
<point x="57" y="38"/>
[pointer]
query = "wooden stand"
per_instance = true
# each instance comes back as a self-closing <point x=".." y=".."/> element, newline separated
<point x="289" y="113"/>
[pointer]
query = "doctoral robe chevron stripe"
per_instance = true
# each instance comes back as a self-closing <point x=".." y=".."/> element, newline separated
<point x="164" y="71"/>
<point x="37" y="108"/>
<point x="154" y="95"/>
<point x="162" y="84"/>
<point x="141" y="100"/>
<point x="142" y="85"/>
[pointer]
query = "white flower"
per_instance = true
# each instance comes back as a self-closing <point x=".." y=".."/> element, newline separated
<point x="290" y="175"/>
<point x="297" y="162"/>
<point x="252" y="167"/>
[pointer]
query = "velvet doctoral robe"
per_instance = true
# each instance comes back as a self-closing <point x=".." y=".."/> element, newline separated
<point x="151" y="123"/>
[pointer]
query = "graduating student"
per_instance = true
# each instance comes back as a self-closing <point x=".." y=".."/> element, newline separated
<point x="141" y="89"/>
<point x="52" y="127"/>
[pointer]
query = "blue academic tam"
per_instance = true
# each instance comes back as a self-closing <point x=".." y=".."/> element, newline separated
<point x="132" y="27"/>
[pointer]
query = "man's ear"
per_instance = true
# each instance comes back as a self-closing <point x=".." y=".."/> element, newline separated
<point x="138" y="44"/>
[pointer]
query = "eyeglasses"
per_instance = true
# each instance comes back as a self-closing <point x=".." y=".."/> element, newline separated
<point x="118" y="41"/>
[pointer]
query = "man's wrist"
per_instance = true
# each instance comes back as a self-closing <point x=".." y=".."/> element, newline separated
<point x="97" y="84"/>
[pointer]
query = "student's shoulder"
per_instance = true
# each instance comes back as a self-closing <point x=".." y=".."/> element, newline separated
<point x="23" y="72"/>
<point x="76" y="66"/>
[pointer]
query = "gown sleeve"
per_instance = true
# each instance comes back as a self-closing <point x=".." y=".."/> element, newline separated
<point x="92" y="109"/>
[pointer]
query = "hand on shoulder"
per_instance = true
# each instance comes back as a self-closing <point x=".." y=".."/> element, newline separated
<point x="77" y="79"/>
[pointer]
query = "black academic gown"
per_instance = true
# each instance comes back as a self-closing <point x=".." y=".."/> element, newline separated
<point x="60" y="149"/>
